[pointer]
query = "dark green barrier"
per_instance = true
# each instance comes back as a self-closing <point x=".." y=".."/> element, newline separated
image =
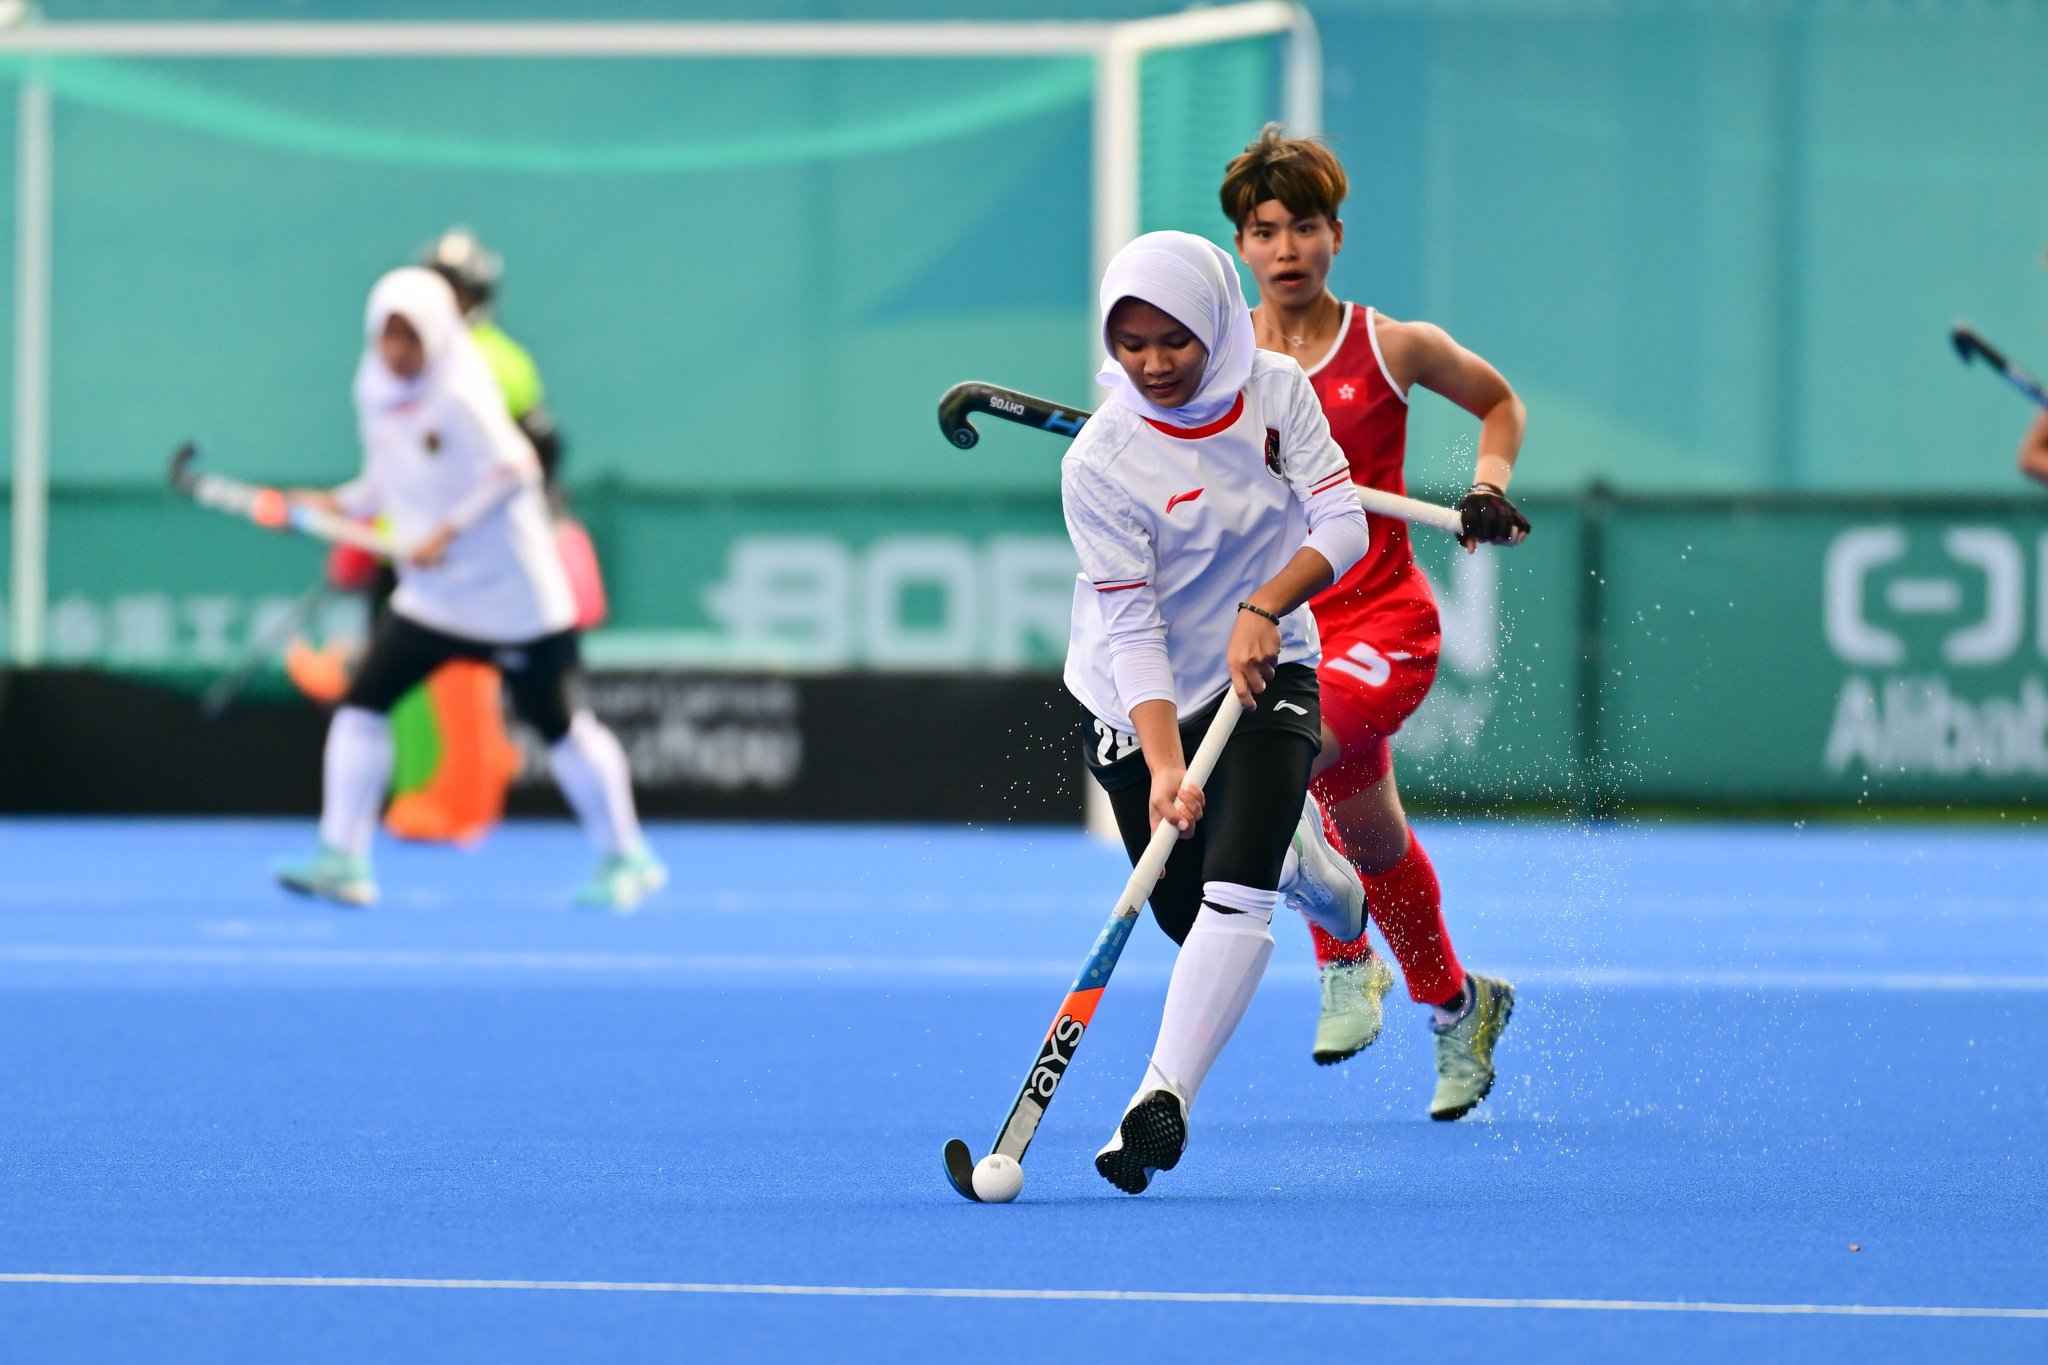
<point x="1823" y="652"/>
<point x="1706" y="652"/>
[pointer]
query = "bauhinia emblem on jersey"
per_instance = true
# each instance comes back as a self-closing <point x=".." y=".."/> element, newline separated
<point x="1273" y="453"/>
<point x="1345" y="393"/>
<point x="1178" y="498"/>
<point x="433" y="443"/>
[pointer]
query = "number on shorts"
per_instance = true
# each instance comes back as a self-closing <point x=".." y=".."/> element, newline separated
<point x="1111" y="745"/>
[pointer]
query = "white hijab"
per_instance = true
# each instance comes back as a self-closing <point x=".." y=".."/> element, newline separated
<point x="454" y="365"/>
<point x="1193" y="281"/>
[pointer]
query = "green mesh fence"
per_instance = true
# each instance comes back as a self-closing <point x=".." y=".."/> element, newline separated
<point x="1213" y="99"/>
<point x="736" y="274"/>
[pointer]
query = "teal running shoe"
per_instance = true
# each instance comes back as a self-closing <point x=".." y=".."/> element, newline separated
<point x="330" y="875"/>
<point x="1354" y="1008"/>
<point x="1464" y="1048"/>
<point x="623" y="880"/>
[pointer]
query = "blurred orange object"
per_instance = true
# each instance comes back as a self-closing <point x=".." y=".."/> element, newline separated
<point x="270" y="509"/>
<point x="321" y="674"/>
<point x="465" y="796"/>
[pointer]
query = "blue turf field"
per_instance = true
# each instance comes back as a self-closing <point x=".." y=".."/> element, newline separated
<point x="1736" y="1053"/>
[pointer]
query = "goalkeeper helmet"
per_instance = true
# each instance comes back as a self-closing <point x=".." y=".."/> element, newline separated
<point x="471" y="268"/>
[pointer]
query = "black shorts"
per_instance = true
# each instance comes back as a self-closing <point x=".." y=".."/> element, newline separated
<point x="1252" y="801"/>
<point x="544" y="676"/>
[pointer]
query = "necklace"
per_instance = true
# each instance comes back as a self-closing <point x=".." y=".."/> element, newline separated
<point x="1295" y="340"/>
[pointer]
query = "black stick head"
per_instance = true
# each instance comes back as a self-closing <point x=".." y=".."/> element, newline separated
<point x="960" y="1161"/>
<point x="1969" y="346"/>
<point x="954" y="408"/>
<point x="182" y="460"/>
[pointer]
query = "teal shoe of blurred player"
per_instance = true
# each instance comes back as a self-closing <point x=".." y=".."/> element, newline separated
<point x="1354" y="1009"/>
<point x="623" y="880"/>
<point x="330" y="875"/>
<point x="1464" y="1049"/>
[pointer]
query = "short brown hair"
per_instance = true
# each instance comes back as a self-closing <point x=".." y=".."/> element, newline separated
<point x="1300" y="172"/>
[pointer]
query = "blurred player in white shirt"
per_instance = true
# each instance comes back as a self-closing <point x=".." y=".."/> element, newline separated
<point x="478" y="578"/>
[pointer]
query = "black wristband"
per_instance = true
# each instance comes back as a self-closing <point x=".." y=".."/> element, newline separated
<point x="1258" y="611"/>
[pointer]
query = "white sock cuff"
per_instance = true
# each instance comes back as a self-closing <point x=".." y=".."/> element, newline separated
<point x="1246" y="900"/>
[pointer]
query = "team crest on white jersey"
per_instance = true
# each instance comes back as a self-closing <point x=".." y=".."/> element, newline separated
<point x="1273" y="453"/>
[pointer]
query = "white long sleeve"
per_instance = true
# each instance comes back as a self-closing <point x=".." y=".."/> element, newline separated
<point x="1116" y="559"/>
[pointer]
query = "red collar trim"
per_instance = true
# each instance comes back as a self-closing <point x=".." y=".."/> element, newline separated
<point x="1222" y="423"/>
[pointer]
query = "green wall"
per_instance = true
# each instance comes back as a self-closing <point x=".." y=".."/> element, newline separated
<point x="1636" y="650"/>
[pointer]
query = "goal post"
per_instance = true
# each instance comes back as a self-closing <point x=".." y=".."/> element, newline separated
<point x="35" y="52"/>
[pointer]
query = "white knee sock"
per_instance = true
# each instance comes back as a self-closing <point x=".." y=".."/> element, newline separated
<point x="355" y="775"/>
<point x="1213" y="982"/>
<point x="591" y="769"/>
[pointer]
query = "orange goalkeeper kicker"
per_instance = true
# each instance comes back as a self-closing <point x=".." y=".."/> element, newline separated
<point x="465" y="796"/>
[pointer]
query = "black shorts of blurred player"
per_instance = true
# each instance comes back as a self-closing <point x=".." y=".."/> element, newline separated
<point x="544" y="676"/>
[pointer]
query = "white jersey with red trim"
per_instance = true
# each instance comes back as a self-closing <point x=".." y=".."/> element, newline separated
<point x="502" y="580"/>
<point x="1175" y="526"/>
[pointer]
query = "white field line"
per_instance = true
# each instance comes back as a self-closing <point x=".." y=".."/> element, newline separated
<point x="843" y="1291"/>
<point x="789" y="967"/>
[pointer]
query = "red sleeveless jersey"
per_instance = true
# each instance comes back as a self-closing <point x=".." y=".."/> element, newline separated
<point x="1369" y="419"/>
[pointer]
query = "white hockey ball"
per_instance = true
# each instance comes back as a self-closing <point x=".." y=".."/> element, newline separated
<point x="997" y="1178"/>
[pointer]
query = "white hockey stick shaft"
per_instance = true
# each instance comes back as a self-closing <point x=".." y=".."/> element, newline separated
<point x="1379" y="503"/>
<point x="231" y="495"/>
<point x="1152" y="861"/>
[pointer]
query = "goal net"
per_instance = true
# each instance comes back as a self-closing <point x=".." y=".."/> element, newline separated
<point x="746" y="257"/>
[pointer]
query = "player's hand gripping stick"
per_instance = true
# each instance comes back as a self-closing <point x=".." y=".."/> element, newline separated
<point x="963" y="401"/>
<point x="268" y="507"/>
<point x="1969" y="346"/>
<point x="1063" y="1039"/>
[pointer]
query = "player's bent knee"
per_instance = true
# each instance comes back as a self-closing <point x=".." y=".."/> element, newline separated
<point x="370" y="700"/>
<point x="553" y="723"/>
<point x="1377" y="845"/>
<point x="1235" y="898"/>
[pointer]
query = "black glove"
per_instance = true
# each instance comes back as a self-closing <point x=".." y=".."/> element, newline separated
<point x="1490" y="518"/>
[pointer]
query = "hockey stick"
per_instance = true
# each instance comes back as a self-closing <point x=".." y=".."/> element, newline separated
<point x="962" y="401"/>
<point x="226" y="690"/>
<point x="268" y="507"/>
<point x="1063" y="1039"/>
<point x="1969" y="346"/>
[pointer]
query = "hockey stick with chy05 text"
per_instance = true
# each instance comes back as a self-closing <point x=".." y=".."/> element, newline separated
<point x="268" y="507"/>
<point x="1063" y="1039"/>
<point x="963" y="401"/>
<point x="1969" y="346"/>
